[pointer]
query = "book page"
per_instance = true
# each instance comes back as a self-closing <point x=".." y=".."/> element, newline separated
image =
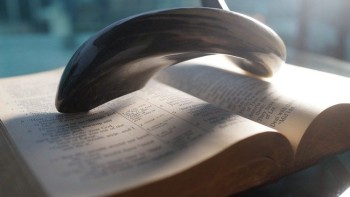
<point x="287" y="102"/>
<point x="142" y="137"/>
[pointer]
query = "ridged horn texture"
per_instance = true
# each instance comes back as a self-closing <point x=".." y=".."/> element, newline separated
<point x="122" y="57"/>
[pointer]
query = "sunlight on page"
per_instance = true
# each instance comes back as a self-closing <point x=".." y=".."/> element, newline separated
<point x="311" y="84"/>
<point x="307" y="81"/>
<point x="346" y="193"/>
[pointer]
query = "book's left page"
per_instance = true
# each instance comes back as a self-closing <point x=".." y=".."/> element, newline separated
<point x="140" y="138"/>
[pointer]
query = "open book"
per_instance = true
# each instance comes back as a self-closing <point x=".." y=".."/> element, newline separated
<point x="199" y="128"/>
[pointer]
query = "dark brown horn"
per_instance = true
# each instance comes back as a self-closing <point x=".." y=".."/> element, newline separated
<point x="122" y="57"/>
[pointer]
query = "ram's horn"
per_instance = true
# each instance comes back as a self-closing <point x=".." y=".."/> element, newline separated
<point x="122" y="57"/>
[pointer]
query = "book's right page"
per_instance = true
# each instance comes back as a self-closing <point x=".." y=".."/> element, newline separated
<point x="327" y="99"/>
<point x="288" y="102"/>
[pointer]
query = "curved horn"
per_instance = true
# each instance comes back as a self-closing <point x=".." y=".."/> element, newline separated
<point x="122" y="57"/>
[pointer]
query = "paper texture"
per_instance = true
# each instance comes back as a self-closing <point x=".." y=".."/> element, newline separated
<point x="141" y="137"/>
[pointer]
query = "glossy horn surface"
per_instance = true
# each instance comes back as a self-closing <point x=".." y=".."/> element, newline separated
<point x="122" y="57"/>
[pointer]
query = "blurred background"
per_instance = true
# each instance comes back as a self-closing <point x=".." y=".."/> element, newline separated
<point x="43" y="34"/>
